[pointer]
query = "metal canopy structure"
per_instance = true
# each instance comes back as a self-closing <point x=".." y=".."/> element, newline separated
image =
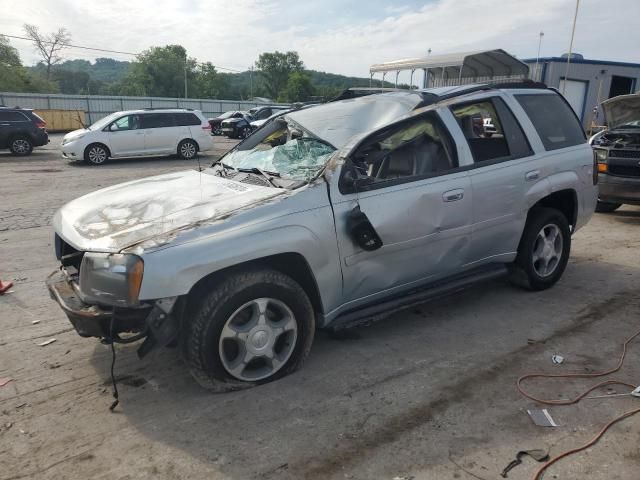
<point x="457" y="68"/>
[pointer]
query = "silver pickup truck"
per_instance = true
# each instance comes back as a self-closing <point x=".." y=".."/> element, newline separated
<point x="326" y="217"/>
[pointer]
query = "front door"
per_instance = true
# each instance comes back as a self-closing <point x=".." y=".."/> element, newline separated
<point x="416" y="199"/>
<point x="125" y="136"/>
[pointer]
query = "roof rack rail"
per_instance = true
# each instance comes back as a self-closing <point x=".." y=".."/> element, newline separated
<point x="168" y="108"/>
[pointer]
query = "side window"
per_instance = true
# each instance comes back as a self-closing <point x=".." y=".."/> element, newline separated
<point x="157" y="120"/>
<point x="261" y="115"/>
<point x="415" y="149"/>
<point x="12" y="117"/>
<point x="491" y="130"/>
<point x="553" y="119"/>
<point x="185" y="119"/>
<point x="130" y="122"/>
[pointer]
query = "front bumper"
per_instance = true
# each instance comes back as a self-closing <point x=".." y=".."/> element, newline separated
<point x="614" y="189"/>
<point x="93" y="320"/>
<point x="71" y="151"/>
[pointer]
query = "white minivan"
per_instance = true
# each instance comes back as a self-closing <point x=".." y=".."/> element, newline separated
<point x="136" y="133"/>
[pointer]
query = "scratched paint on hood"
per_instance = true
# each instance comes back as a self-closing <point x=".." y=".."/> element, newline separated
<point x="117" y="217"/>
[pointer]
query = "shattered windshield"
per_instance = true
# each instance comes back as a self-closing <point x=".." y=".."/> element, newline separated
<point x="286" y="153"/>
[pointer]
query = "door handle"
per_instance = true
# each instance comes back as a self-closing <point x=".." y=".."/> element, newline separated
<point x="453" y="195"/>
<point x="532" y="175"/>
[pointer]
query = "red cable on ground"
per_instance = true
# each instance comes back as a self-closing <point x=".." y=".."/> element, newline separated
<point x="595" y="439"/>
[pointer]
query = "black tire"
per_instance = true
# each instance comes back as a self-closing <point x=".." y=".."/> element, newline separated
<point x="204" y="327"/>
<point x="525" y="270"/>
<point x="245" y="132"/>
<point x="187" y="149"/>
<point x="96" y="154"/>
<point x="607" y="207"/>
<point x="21" y="146"/>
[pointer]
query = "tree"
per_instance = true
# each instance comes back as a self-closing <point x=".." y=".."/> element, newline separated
<point x="207" y="82"/>
<point x="276" y="68"/>
<point x="48" y="46"/>
<point x="159" y="72"/>
<point x="14" y="77"/>
<point x="299" y="88"/>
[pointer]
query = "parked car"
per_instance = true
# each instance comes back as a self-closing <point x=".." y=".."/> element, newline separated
<point x="216" y="128"/>
<point x="237" y="127"/>
<point x="136" y="133"/>
<point x="256" y="124"/>
<point x="617" y="150"/>
<point x="21" y="129"/>
<point x="324" y="218"/>
<point x="266" y="111"/>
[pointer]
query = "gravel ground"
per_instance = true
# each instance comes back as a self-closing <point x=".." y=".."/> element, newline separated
<point x="428" y="393"/>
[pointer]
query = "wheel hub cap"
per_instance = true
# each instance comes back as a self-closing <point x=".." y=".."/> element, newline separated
<point x="258" y="339"/>
<point x="547" y="250"/>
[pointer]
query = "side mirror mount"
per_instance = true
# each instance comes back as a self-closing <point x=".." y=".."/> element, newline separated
<point x="352" y="180"/>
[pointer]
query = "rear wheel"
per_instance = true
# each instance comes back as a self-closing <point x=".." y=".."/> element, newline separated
<point x="253" y="327"/>
<point x="96" y="154"/>
<point x="21" y="146"/>
<point x="607" y="207"/>
<point x="544" y="250"/>
<point x="187" y="149"/>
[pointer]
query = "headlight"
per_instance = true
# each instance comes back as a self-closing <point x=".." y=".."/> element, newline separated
<point x="111" y="278"/>
<point x="72" y="139"/>
<point x="601" y="155"/>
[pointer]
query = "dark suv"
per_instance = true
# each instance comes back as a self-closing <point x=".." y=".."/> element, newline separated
<point x="21" y="129"/>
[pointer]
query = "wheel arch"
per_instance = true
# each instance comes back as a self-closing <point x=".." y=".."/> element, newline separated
<point x="565" y="200"/>
<point x="184" y="140"/>
<point x="292" y="264"/>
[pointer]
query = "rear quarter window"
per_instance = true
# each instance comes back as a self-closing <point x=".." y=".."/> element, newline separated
<point x="186" y="119"/>
<point x="553" y="119"/>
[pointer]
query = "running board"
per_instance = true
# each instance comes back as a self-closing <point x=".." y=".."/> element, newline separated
<point x="430" y="292"/>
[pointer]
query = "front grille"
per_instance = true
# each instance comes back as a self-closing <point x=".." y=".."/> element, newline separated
<point x="625" y="170"/>
<point x="624" y="153"/>
<point x="249" y="178"/>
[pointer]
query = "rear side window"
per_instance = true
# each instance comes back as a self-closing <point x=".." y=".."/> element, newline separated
<point x="13" y="117"/>
<point x="553" y="119"/>
<point x="185" y="119"/>
<point x="157" y="120"/>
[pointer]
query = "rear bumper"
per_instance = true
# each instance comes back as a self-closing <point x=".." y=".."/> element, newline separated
<point x="92" y="320"/>
<point x="615" y="189"/>
<point x="40" y="139"/>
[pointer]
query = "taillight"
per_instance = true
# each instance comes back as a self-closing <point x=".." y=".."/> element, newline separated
<point x="41" y="123"/>
<point x="206" y="127"/>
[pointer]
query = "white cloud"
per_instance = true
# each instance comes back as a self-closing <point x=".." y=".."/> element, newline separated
<point x="233" y="34"/>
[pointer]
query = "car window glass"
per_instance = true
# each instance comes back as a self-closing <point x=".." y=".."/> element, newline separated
<point x="12" y="117"/>
<point x="266" y="113"/>
<point x="417" y="149"/>
<point x="128" y="122"/>
<point x="157" y="120"/>
<point x="184" y="119"/>
<point x="553" y="119"/>
<point x="491" y="130"/>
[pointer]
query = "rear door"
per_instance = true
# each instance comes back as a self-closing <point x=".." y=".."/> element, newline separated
<point x="12" y="123"/>
<point x="500" y="167"/>
<point x="124" y="136"/>
<point x="417" y="200"/>
<point x="160" y="133"/>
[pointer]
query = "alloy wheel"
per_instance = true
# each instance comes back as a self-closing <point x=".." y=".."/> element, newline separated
<point x="258" y="339"/>
<point x="547" y="250"/>
<point x="20" y="146"/>
<point x="97" y="155"/>
<point x="187" y="150"/>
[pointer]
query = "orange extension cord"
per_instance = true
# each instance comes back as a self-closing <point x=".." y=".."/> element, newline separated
<point x="595" y="439"/>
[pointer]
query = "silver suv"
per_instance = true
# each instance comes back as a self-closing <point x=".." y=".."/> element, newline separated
<point x="324" y="218"/>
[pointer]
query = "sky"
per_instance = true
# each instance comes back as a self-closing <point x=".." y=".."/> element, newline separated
<point x="338" y="36"/>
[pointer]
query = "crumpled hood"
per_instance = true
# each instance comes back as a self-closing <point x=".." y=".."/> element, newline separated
<point x="621" y="110"/>
<point x="121" y="216"/>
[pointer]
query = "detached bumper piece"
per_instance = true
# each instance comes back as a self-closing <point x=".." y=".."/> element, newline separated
<point x="93" y="320"/>
<point x="156" y="324"/>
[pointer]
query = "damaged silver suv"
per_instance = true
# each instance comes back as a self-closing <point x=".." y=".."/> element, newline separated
<point x="326" y="217"/>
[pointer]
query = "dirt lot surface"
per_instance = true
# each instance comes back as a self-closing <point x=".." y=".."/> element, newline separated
<point x="426" y="394"/>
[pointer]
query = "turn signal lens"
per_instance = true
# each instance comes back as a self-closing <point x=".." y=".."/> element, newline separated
<point x="603" y="168"/>
<point x="135" y="280"/>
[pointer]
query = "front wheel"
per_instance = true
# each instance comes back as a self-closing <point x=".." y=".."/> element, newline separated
<point x="96" y="154"/>
<point x="245" y="132"/>
<point x="253" y="327"/>
<point x="607" y="207"/>
<point x="544" y="250"/>
<point x="187" y="149"/>
<point x="21" y="146"/>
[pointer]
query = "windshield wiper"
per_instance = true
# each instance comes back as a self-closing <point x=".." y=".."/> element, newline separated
<point x="265" y="174"/>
